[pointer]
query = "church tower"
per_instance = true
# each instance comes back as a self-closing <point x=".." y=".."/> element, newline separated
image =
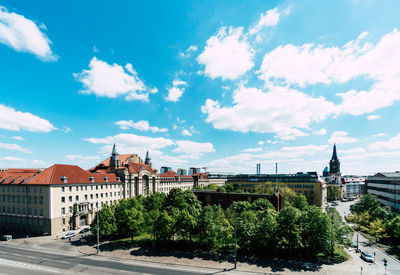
<point x="148" y="159"/>
<point x="334" y="163"/>
<point x="114" y="160"/>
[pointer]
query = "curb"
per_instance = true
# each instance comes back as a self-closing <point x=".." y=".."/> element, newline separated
<point x="380" y="249"/>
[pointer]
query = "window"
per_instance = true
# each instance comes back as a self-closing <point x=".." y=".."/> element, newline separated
<point x="62" y="210"/>
<point x="97" y="196"/>
<point x="86" y="197"/>
<point x="91" y="179"/>
<point x="35" y="212"/>
<point x="63" y="189"/>
<point x="23" y="199"/>
<point x="91" y="196"/>
<point x="40" y="199"/>
<point x="40" y="189"/>
<point x="77" y="198"/>
<point x="91" y="187"/>
<point x="70" y="188"/>
<point x="29" y="199"/>
<point x="63" y="221"/>
<point x="70" y="209"/>
<point x="85" y="188"/>
<point x="101" y="195"/>
<point x="64" y="179"/>
<point x="106" y="195"/>
<point x="77" y="188"/>
<point x="102" y="186"/>
<point x="82" y="188"/>
<point x="35" y="200"/>
<point x="41" y="211"/>
<point x="62" y="199"/>
<point x="106" y="179"/>
<point x="29" y="211"/>
<point x="110" y="194"/>
<point x="70" y="198"/>
<point x="97" y="187"/>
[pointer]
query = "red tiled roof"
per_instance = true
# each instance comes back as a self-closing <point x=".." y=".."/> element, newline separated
<point x="136" y="167"/>
<point x="53" y="174"/>
<point x="122" y="159"/>
<point x="17" y="176"/>
<point x="169" y="174"/>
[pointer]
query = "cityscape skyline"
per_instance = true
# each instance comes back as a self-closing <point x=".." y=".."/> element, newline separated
<point x="276" y="82"/>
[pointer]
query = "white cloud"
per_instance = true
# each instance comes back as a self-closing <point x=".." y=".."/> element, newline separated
<point x="309" y="64"/>
<point x="269" y="19"/>
<point x="81" y="158"/>
<point x="186" y="132"/>
<point x="18" y="138"/>
<point x="227" y="55"/>
<point x="252" y="150"/>
<point x="175" y="92"/>
<point x="373" y="117"/>
<point x="341" y="137"/>
<point x="379" y="135"/>
<point x="16" y="147"/>
<point x="320" y="132"/>
<point x="188" y="51"/>
<point x="390" y="144"/>
<point x="192" y="149"/>
<point x="141" y="125"/>
<point x="66" y="129"/>
<point x="113" y="80"/>
<point x="281" y="110"/>
<point x="24" y="35"/>
<point x="260" y="142"/>
<point x="16" y="159"/>
<point x="10" y="119"/>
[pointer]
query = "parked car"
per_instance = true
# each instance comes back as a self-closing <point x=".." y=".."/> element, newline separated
<point x="68" y="235"/>
<point x="334" y="203"/>
<point x="367" y="257"/>
<point x="84" y="230"/>
<point x="6" y="237"/>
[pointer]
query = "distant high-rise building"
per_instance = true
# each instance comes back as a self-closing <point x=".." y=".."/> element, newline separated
<point x="258" y="168"/>
<point x="193" y="170"/>
<point x="165" y="169"/>
<point x="182" y="172"/>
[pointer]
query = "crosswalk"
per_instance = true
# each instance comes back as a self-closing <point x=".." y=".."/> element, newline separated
<point x="28" y="266"/>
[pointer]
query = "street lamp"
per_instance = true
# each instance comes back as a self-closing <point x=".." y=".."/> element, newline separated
<point x="98" y="229"/>
<point x="385" y="264"/>
<point x="235" y="253"/>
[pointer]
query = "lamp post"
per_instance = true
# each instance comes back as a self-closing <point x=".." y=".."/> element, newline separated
<point x="98" y="229"/>
<point x="235" y="252"/>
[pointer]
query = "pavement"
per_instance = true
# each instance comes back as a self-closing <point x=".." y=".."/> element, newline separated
<point x="50" y="255"/>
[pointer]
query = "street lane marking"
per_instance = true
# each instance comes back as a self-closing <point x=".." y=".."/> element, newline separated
<point x="26" y="266"/>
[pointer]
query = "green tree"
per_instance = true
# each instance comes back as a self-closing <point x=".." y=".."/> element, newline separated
<point x="333" y="192"/>
<point x="246" y="228"/>
<point x="267" y="226"/>
<point x="164" y="227"/>
<point x="129" y="217"/>
<point x="377" y="229"/>
<point x="107" y="222"/>
<point x="214" y="230"/>
<point x="261" y="205"/>
<point x="290" y="229"/>
<point x="367" y="203"/>
<point x="300" y="202"/>
<point x="317" y="230"/>
<point x="153" y="205"/>
<point x="288" y="195"/>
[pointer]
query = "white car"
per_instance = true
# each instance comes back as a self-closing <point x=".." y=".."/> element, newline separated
<point x="68" y="235"/>
<point x="367" y="257"/>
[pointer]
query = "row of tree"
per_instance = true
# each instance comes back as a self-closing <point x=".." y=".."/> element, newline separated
<point x="377" y="220"/>
<point x="180" y="217"/>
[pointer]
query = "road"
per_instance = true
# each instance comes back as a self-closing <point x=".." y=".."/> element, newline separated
<point x="18" y="259"/>
<point x="393" y="266"/>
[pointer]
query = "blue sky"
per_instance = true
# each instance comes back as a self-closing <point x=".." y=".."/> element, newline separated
<point x="216" y="84"/>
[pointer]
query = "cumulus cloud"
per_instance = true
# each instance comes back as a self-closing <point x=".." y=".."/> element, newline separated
<point x="373" y="117"/>
<point x="280" y="110"/>
<point x="320" y="132"/>
<point x="15" y="159"/>
<point x="269" y="19"/>
<point x="176" y="91"/>
<point x="390" y="144"/>
<point x="23" y="35"/>
<point x="260" y="142"/>
<point x="192" y="149"/>
<point x="227" y="55"/>
<point x="66" y="129"/>
<point x="18" y="138"/>
<point x="10" y="119"/>
<point x="103" y="79"/>
<point x="186" y="132"/>
<point x="81" y="158"/>
<point x="341" y="137"/>
<point x="16" y="147"/>
<point x="252" y="150"/>
<point x="141" y="125"/>
<point x="188" y="51"/>
<point x="311" y="64"/>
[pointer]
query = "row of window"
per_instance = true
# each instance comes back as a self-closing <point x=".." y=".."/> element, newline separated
<point x="105" y="186"/>
<point x="19" y="188"/>
<point x="21" y="199"/>
<point x="389" y="191"/>
<point x="22" y="210"/>
<point x="20" y="220"/>
<point x="70" y="209"/>
<point x="91" y="196"/>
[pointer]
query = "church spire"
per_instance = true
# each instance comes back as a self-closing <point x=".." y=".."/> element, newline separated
<point x="334" y="154"/>
<point x="114" y="160"/>
<point x="148" y="159"/>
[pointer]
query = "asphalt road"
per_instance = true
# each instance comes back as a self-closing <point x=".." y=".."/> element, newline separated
<point x="18" y="260"/>
<point x="393" y="266"/>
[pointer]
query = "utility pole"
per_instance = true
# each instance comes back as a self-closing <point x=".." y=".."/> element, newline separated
<point x="357" y="242"/>
<point x="235" y="253"/>
<point x="98" y="230"/>
<point x="385" y="264"/>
